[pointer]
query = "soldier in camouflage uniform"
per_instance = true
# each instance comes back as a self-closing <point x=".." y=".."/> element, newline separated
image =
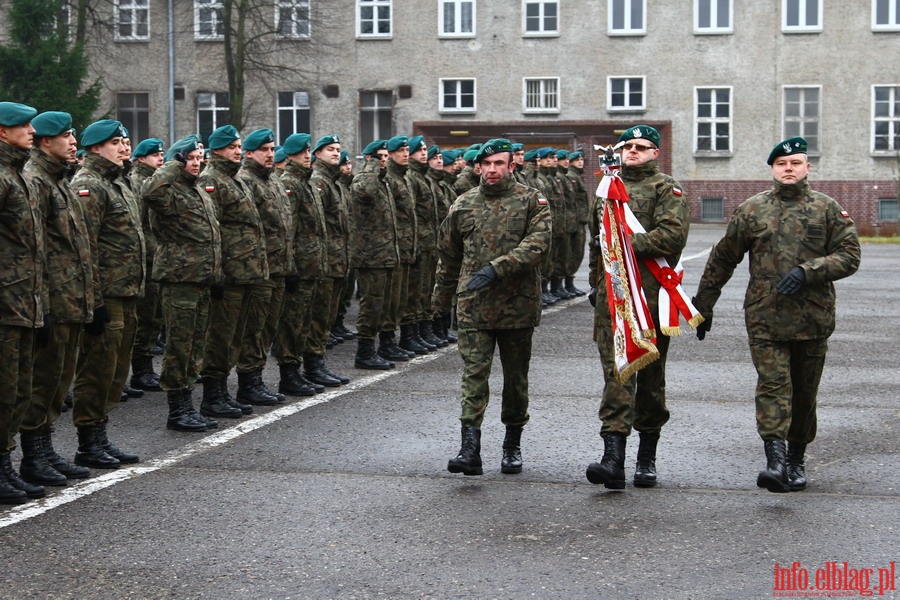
<point x="339" y="331"/>
<point x="547" y="182"/>
<point x="244" y="264"/>
<point x="113" y="218"/>
<point x="188" y="268"/>
<point x="70" y="283"/>
<point x="146" y="158"/>
<point x="575" y="175"/>
<point x="443" y="198"/>
<point x="800" y="241"/>
<point x="491" y="246"/>
<point x="24" y="302"/>
<point x="470" y="175"/>
<point x="308" y="247"/>
<point x="660" y="206"/>
<point x="519" y="159"/>
<point x="573" y="203"/>
<point x="325" y="187"/>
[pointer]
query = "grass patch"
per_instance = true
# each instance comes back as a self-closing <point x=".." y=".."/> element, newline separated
<point x="895" y="239"/>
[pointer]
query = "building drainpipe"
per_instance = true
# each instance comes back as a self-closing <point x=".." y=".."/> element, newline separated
<point x="171" y="44"/>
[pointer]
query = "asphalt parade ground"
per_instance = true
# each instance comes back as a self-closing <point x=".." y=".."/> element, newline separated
<point x="346" y="494"/>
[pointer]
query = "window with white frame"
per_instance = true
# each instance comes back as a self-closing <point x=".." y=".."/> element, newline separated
<point x="209" y="20"/>
<point x="374" y="18"/>
<point x="456" y="18"/>
<point x="132" y="20"/>
<point x="540" y="17"/>
<point x="712" y="121"/>
<point x="886" y="15"/>
<point x="457" y="95"/>
<point x="293" y="114"/>
<point x="213" y="111"/>
<point x="713" y="16"/>
<point x="627" y="17"/>
<point x="625" y="93"/>
<point x="801" y="16"/>
<point x="292" y="19"/>
<point x="802" y="114"/>
<point x="886" y="118"/>
<point x="540" y="95"/>
<point x="887" y="209"/>
<point x="133" y="111"/>
<point x="375" y="116"/>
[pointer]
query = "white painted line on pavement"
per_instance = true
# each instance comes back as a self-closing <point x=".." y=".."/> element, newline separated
<point x="696" y="256"/>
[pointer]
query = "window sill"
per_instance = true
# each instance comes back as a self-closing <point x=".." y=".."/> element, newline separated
<point x="707" y="154"/>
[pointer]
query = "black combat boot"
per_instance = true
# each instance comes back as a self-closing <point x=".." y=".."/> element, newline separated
<point x="121" y="455"/>
<point x="645" y="468"/>
<point x="426" y="332"/>
<point x="129" y="392"/>
<point x="449" y="326"/>
<point x="437" y="329"/>
<point x="558" y="290"/>
<point x="58" y="462"/>
<point x="512" y="453"/>
<point x="570" y="287"/>
<point x="408" y="341"/>
<point x="181" y="412"/>
<point x="340" y="330"/>
<point x="796" y="469"/>
<point x="313" y="371"/>
<point x="12" y="478"/>
<point x="91" y="452"/>
<point x="231" y="400"/>
<point x="610" y="471"/>
<point x="34" y="467"/>
<point x="367" y="358"/>
<point x="468" y="461"/>
<point x="416" y="333"/>
<point x="291" y="383"/>
<point x="388" y="348"/>
<point x="547" y="299"/>
<point x="143" y="377"/>
<point x="214" y="404"/>
<point x="774" y="477"/>
<point x="10" y="494"/>
<point x="252" y="391"/>
<point x="302" y="376"/>
<point x="343" y="379"/>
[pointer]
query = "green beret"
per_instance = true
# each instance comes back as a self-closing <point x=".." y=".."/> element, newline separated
<point x="373" y="147"/>
<point x="280" y="156"/>
<point x="530" y="155"/>
<point x="517" y="147"/>
<point x="545" y="152"/>
<point x="52" y="123"/>
<point x="257" y="138"/>
<point x="416" y="143"/>
<point x="397" y="142"/>
<point x="326" y="140"/>
<point x="296" y="143"/>
<point x="469" y="156"/>
<point x="184" y="146"/>
<point x="576" y="155"/>
<point x="13" y="114"/>
<point x="794" y="145"/>
<point x="641" y="131"/>
<point x="100" y="131"/>
<point x="80" y="153"/>
<point x="475" y="146"/>
<point x="449" y="156"/>
<point x="432" y="150"/>
<point x="345" y="157"/>
<point x="148" y="146"/>
<point x="222" y="136"/>
<point x="492" y="147"/>
<point x="562" y="154"/>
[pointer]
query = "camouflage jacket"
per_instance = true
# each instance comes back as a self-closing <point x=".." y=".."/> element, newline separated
<point x="190" y="247"/>
<point x="556" y="196"/>
<point x="243" y="239"/>
<point x="571" y="200"/>
<point x="23" y="298"/>
<point x="274" y="210"/>
<point x="324" y="184"/>
<point x="659" y="203"/>
<point x="405" y="211"/>
<point x="373" y="222"/>
<point x="113" y="219"/>
<point x="785" y="227"/>
<point x="443" y="194"/>
<point x="466" y="180"/>
<point x="138" y="174"/>
<point x="69" y="277"/>
<point x="506" y="225"/>
<point x="582" y="200"/>
<point x="308" y="220"/>
<point x="426" y="211"/>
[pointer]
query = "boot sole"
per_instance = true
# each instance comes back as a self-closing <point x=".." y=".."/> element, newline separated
<point x="773" y="485"/>
<point x="185" y="429"/>
<point x="93" y="465"/>
<point x="373" y="367"/>
<point x="217" y="415"/>
<point x="510" y="470"/>
<point x="643" y="483"/>
<point x="45" y="482"/>
<point x="596" y="476"/>
<point x="14" y="501"/>
<point x="464" y="471"/>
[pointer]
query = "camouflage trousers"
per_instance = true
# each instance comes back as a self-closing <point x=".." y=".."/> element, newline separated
<point x="640" y="402"/>
<point x="54" y="370"/>
<point x="576" y="251"/>
<point x="293" y="328"/>
<point x="559" y="256"/>
<point x="375" y="285"/>
<point x="409" y="311"/>
<point x="476" y="347"/>
<point x="325" y="307"/>
<point x="186" y="312"/>
<point x="227" y="318"/>
<point x="399" y="292"/>
<point x="16" y="362"/>
<point x="103" y="364"/>
<point x="788" y="375"/>
<point x="149" y="320"/>
<point x="423" y="292"/>
<point x="346" y="294"/>
<point x="260" y="324"/>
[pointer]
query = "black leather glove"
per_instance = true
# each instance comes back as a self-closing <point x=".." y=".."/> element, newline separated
<point x="793" y="282"/>
<point x="481" y="278"/>
<point x="42" y="334"/>
<point x="217" y="291"/>
<point x="704" y="327"/>
<point x="592" y="297"/>
<point x="292" y="284"/>
<point x="101" y="318"/>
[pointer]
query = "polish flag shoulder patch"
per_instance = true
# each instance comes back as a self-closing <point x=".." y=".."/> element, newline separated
<point x="289" y="192"/>
<point x="542" y="200"/>
<point x="210" y="188"/>
<point x="677" y="191"/>
<point x="84" y="192"/>
<point x="844" y="213"/>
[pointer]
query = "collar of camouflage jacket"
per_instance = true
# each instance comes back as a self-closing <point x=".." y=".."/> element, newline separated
<point x="791" y="191"/>
<point x="52" y="165"/>
<point x="223" y="165"/>
<point x="13" y="156"/>
<point x="103" y="167"/>
<point x="497" y="189"/>
<point x="640" y="172"/>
